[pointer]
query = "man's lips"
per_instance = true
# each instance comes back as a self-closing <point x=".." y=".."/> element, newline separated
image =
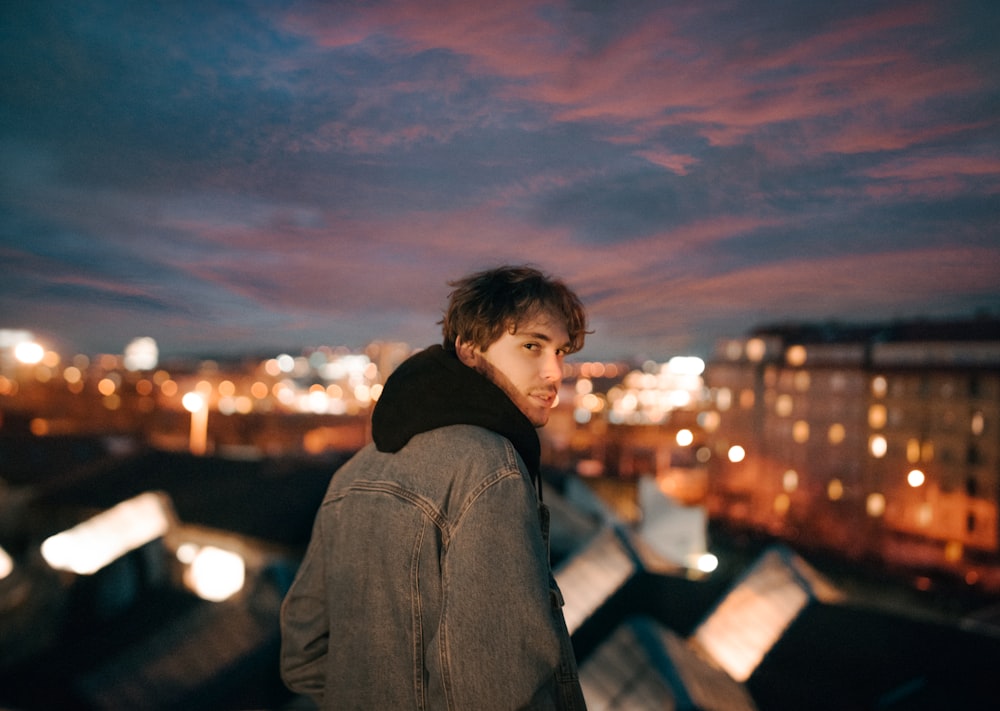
<point x="545" y="397"/>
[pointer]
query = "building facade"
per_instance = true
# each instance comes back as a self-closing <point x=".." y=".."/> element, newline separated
<point x="880" y="442"/>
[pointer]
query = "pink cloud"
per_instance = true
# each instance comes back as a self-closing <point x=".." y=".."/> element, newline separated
<point x="673" y="162"/>
<point x="934" y="176"/>
<point x="865" y="80"/>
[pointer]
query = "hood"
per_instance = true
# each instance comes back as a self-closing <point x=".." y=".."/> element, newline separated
<point x="433" y="389"/>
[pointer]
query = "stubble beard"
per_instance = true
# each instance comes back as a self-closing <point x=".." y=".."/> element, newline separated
<point x="536" y="415"/>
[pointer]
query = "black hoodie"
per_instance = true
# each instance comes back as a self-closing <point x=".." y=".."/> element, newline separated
<point x="433" y="389"/>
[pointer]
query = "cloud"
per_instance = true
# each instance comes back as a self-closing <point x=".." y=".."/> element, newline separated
<point x="306" y="170"/>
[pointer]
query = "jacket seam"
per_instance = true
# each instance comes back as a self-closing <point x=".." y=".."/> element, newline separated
<point x="418" y="624"/>
<point x="393" y="489"/>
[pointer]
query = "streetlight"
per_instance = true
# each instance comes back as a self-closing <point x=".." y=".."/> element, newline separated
<point x="196" y="403"/>
<point x="29" y="352"/>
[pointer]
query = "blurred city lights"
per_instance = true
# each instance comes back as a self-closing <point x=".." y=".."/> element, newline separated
<point x="795" y="356"/>
<point x="6" y="564"/>
<point x="706" y="563"/>
<point x="29" y="352"/>
<point x="89" y="546"/>
<point x="193" y="401"/>
<point x="686" y="365"/>
<point x="875" y="505"/>
<point x="213" y="573"/>
<point x="196" y="403"/>
<point x="141" y="354"/>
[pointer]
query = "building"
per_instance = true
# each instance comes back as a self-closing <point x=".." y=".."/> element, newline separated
<point x="877" y="441"/>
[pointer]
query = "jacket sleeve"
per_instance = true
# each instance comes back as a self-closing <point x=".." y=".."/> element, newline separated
<point x="502" y="640"/>
<point x="304" y="624"/>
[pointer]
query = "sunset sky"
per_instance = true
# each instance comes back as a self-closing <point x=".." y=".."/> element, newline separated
<point x="246" y="176"/>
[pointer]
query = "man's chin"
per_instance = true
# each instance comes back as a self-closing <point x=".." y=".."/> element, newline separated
<point x="539" y="418"/>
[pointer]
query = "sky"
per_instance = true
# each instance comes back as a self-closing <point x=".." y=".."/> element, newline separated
<point x="232" y="177"/>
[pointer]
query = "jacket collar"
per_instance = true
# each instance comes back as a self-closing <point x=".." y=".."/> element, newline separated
<point x="433" y="389"/>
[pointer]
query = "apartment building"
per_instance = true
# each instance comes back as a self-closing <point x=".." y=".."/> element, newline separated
<point x="879" y="441"/>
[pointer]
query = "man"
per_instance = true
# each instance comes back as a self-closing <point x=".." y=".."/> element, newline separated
<point x="426" y="584"/>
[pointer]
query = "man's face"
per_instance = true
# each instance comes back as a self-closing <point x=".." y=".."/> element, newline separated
<point x="527" y="365"/>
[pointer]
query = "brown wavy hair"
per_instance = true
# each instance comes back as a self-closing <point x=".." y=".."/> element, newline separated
<point x="485" y="305"/>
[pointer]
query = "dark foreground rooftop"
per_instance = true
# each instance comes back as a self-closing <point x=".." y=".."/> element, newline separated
<point x="767" y="631"/>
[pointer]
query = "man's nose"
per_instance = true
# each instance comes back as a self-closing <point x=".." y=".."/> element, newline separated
<point x="552" y="368"/>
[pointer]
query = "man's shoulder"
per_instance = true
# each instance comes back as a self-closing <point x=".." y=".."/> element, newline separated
<point x="465" y="442"/>
<point x="463" y="433"/>
<point x="439" y="466"/>
<point x="466" y="447"/>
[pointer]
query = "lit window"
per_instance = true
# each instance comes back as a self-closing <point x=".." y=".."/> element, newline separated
<point x="709" y="421"/>
<point x="876" y="417"/>
<point x="783" y="405"/>
<point x="790" y="480"/>
<point x="835" y="490"/>
<point x="837" y="433"/>
<point x="800" y="431"/>
<point x="878" y="446"/>
<point x="879" y="386"/>
<point x="802" y="381"/>
<point x="875" y="505"/>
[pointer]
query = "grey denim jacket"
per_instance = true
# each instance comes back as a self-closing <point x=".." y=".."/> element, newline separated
<point x="426" y="585"/>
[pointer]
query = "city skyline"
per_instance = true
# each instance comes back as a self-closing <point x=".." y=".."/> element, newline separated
<point x="250" y="176"/>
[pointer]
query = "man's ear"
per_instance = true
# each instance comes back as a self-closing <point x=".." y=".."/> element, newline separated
<point x="466" y="352"/>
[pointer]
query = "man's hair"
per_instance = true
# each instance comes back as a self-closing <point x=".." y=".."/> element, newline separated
<point x="485" y="305"/>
